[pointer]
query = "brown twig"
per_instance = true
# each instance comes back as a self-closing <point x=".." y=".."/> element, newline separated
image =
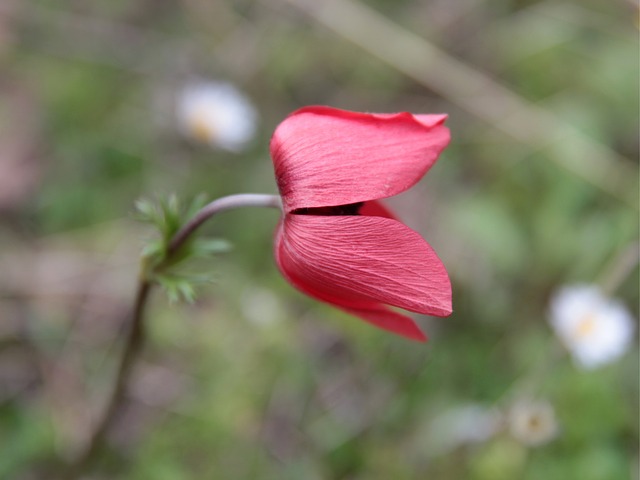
<point x="133" y="345"/>
<point x="135" y="339"/>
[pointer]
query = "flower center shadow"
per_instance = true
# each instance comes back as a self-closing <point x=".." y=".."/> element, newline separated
<point x="349" y="209"/>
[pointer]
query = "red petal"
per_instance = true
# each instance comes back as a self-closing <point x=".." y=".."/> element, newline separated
<point x="376" y="209"/>
<point x="373" y="312"/>
<point x="349" y="260"/>
<point x="385" y="318"/>
<point x="325" y="157"/>
<point x="431" y="120"/>
<point x="428" y="120"/>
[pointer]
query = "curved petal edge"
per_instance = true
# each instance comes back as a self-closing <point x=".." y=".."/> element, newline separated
<point x="324" y="156"/>
<point x="362" y="264"/>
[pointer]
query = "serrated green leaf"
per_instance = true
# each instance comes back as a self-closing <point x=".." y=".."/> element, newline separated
<point x="177" y="288"/>
<point x="187" y="291"/>
<point x="196" y="204"/>
<point x="169" y="215"/>
<point x="144" y="207"/>
<point x="172" y="215"/>
<point x="153" y="249"/>
<point x="205" y="247"/>
<point x="147" y="212"/>
<point x="170" y="286"/>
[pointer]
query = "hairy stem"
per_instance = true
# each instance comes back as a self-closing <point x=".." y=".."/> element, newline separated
<point x="217" y="206"/>
<point x="135" y="338"/>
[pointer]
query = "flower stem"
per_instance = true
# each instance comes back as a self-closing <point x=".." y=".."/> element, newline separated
<point x="135" y="338"/>
<point x="217" y="206"/>
<point x="133" y="343"/>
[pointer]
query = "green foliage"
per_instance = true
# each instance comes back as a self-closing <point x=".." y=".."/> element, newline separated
<point x="255" y="380"/>
<point x="170" y="270"/>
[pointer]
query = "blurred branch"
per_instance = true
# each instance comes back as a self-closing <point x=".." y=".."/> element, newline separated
<point x="576" y="14"/>
<point x="477" y="93"/>
<point x="620" y="267"/>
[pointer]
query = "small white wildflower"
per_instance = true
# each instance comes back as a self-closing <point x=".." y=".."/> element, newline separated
<point x="596" y="329"/>
<point x="217" y="114"/>
<point x="532" y="423"/>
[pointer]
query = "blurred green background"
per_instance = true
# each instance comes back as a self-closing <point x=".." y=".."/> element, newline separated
<point x="538" y="189"/>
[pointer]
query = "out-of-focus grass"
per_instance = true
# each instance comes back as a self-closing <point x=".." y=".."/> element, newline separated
<point x="254" y="380"/>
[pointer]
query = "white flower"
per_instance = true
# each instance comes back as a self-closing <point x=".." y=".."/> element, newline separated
<point x="596" y="329"/>
<point x="532" y="423"/>
<point x="217" y="114"/>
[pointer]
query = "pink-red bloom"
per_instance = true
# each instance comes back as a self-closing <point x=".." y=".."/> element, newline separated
<point x="336" y="241"/>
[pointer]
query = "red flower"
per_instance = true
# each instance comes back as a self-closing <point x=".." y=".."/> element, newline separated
<point x="336" y="242"/>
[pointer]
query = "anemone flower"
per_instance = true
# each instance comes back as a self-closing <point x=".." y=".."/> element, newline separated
<point x="336" y="241"/>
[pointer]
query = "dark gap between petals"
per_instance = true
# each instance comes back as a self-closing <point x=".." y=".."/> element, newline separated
<point x="349" y="209"/>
